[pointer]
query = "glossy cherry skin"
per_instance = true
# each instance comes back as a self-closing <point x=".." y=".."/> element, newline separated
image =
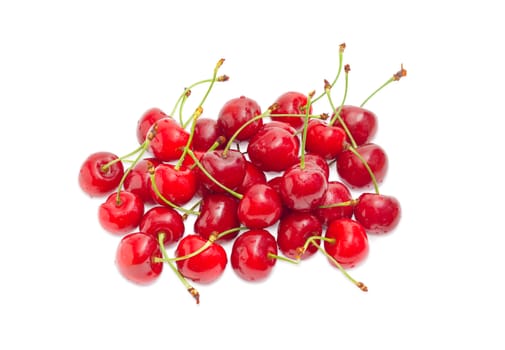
<point x="138" y="180"/>
<point x="122" y="217"/>
<point x="96" y="181"/>
<point x="164" y="220"/>
<point x="206" y="133"/>
<point x="134" y="258"/>
<point x="253" y="175"/>
<point x="361" y="122"/>
<point x="294" y="230"/>
<point x="235" y="113"/>
<point x="177" y="185"/>
<point x="218" y="213"/>
<point x="229" y="170"/>
<point x="318" y="161"/>
<point x="204" y="267"/>
<point x="377" y="213"/>
<point x="303" y="189"/>
<point x="337" y="192"/>
<point x="325" y="140"/>
<point x="250" y="255"/>
<point x="352" y="171"/>
<point x="351" y="242"/>
<point x="169" y="140"/>
<point x="291" y="102"/>
<point x="273" y="149"/>
<point x="147" y="120"/>
<point x="260" y="207"/>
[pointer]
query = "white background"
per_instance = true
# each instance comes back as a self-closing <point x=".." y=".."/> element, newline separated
<point x="76" y="76"/>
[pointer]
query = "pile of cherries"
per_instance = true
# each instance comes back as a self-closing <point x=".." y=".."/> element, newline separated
<point x="255" y="180"/>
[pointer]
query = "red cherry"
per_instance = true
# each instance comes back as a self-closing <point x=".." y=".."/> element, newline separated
<point x="123" y="216"/>
<point x="337" y="193"/>
<point x="169" y="140"/>
<point x="235" y="113"/>
<point x="353" y="172"/>
<point x="291" y="103"/>
<point x="135" y="258"/>
<point x="319" y="162"/>
<point x="377" y="213"/>
<point x="218" y="213"/>
<point x="146" y="121"/>
<point x="251" y="255"/>
<point x="177" y="185"/>
<point x="163" y="220"/>
<point x="253" y="175"/>
<point x="325" y="140"/>
<point x="303" y="189"/>
<point x="138" y="180"/>
<point x="205" y="267"/>
<point x="97" y="181"/>
<point x="206" y="133"/>
<point x="259" y="207"/>
<point x="228" y="170"/>
<point x="351" y="242"/>
<point x="361" y="122"/>
<point x="293" y="231"/>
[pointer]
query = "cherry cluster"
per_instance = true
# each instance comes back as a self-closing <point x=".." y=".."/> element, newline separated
<point x="257" y="180"/>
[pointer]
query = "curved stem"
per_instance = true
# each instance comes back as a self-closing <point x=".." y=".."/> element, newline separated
<point x="219" y="141"/>
<point x="283" y="258"/>
<point x="367" y="167"/>
<point x="105" y="167"/>
<point x="397" y="76"/>
<point x="340" y="204"/>
<point x="340" y="61"/>
<point x="142" y="150"/>
<point x="305" y="127"/>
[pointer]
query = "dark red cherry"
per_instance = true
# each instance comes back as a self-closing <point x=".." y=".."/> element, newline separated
<point x="303" y="189"/>
<point x="205" y="267"/>
<point x="352" y="171"/>
<point x="218" y="213"/>
<point x="121" y="216"/>
<point x="95" y="179"/>
<point x="377" y="213"/>
<point x="336" y="193"/>
<point x="361" y="122"/>
<point x="294" y="230"/>
<point x="147" y="120"/>
<point x="135" y="258"/>
<point x="351" y="242"/>
<point x="138" y="180"/>
<point x="169" y="140"/>
<point x="291" y="102"/>
<point x="235" y="113"/>
<point x="228" y="170"/>
<point x="260" y="207"/>
<point x="177" y="185"/>
<point x="251" y="255"/>
<point x="206" y="133"/>
<point x="253" y="175"/>
<point x="319" y="162"/>
<point x="325" y="140"/>
<point x="164" y="220"/>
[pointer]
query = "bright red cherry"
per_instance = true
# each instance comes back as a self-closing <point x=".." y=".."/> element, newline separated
<point x="377" y="213"/>
<point x="259" y="207"/>
<point x="97" y="180"/>
<point x="251" y="255"/>
<point x="325" y="140"/>
<point x="164" y="220"/>
<point x="177" y="185"/>
<point x="205" y="267"/>
<point x="121" y="216"/>
<point x="319" y="162"/>
<point x="303" y="189"/>
<point x="206" y="133"/>
<point x="351" y="242"/>
<point x="294" y="230"/>
<point x="253" y="175"/>
<point x="337" y="193"/>
<point x="228" y="170"/>
<point x="361" y="122"/>
<point x="235" y="113"/>
<point x="169" y="140"/>
<point x="147" y="120"/>
<point x="135" y="258"/>
<point x="138" y="180"/>
<point x="353" y="172"/>
<point x="291" y="102"/>
<point x="218" y="213"/>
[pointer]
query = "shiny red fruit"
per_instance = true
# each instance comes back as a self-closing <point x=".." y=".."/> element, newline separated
<point x="121" y="216"/>
<point x="253" y="175"/>
<point x="147" y="120"/>
<point x="138" y="180"/>
<point x="206" y="133"/>
<point x="351" y="242"/>
<point x="325" y="140"/>
<point x="291" y="102"/>
<point x="164" y="220"/>
<point x="260" y="207"/>
<point x="169" y="140"/>
<point x="303" y="189"/>
<point x="218" y="213"/>
<point x="97" y="181"/>
<point x="228" y="170"/>
<point x="237" y="112"/>
<point x="294" y="230"/>
<point x="377" y="213"/>
<point x="337" y="193"/>
<point x="134" y="258"/>
<point x="176" y="185"/>
<point x="361" y="122"/>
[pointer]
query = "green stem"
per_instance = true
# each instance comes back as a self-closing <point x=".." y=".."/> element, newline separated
<point x="341" y="204"/>
<point x="194" y="117"/>
<point x="142" y="149"/>
<point x="397" y="76"/>
<point x="340" y="61"/>
<point x="367" y="167"/>
<point x="105" y="167"/>
<point x="220" y="140"/>
<point x="305" y="127"/>
<point x="283" y="258"/>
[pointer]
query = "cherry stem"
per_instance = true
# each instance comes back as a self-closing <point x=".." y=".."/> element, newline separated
<point x="219" y="141"/>
<point x="396" y="77"/>
<point x="163" y="199"/>
<point x="194" y="117"/>
<point x="305" y="127"/>
<point x="183" y="280"/>
<point x="367" y="167"/>
<point x="340" y="61"/>
<point x="311" y="239"/>
<point x="340" y="204"/>
<point x="283" y="258"/>
<point x="105" y="167"/>
<point x="193" y="207"/>
<point x="202" y="168"/>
